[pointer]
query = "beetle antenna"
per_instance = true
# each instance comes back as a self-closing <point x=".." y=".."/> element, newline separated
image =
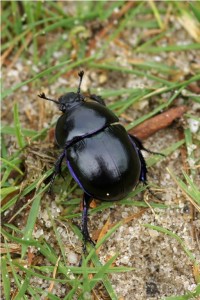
<point x="80" y="74"/>
<point x="42" y="95"/>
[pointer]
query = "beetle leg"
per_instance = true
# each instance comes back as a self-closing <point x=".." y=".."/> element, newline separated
<point x="141" y="146"/>
<point x="57" y="170"/>
<point x="138" y="145"/>
<point x="143" y="173"/>
<point x="97" y="99"/>
<point x="86" y="237"/>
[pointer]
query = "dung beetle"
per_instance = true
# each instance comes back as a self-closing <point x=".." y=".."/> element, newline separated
<point x="101" y="156"/>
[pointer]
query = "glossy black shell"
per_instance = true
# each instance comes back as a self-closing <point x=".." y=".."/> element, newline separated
<point x="100" y="154"/>
<point x="82" y="119"/>
<point x="106" y="165"/>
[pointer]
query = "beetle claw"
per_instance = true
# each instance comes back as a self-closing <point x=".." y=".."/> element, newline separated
<point x="87" y="239"/>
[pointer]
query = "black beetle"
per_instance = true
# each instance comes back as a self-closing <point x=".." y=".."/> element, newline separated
<point x="102" y="157"/>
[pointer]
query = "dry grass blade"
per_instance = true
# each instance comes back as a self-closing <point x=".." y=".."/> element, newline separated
<point x="13" y="248"/>
<point x="151" y="126"/>
<point x="190" y="25"/>
<point x="21" y="49"/>
<point x="54" y="276"/>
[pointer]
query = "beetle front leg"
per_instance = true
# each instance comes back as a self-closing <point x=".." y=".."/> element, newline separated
<point x="98" y="99"/>
<point x="57" y="170"/>
<point x="143" y="173"/>
<point x="138" y="145"/>
<point x="86" y="236"/>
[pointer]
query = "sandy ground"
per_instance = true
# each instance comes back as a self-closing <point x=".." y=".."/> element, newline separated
<point x="162" y="268"/>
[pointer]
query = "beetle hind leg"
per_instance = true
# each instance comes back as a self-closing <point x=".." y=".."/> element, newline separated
<point x="141" y="146"/>
<point x="86" y="236"/>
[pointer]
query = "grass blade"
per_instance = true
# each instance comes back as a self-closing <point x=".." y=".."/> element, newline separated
<point x="5" y="279"/>
<point x="28" y="230"/>
<point x="18" y="130"/>
<point x="11" y="165"/>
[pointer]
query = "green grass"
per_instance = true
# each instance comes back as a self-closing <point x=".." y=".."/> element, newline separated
<point x="28" y="28"/>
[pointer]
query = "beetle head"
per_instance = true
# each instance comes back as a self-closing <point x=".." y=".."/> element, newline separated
<point x="67" y="101"/>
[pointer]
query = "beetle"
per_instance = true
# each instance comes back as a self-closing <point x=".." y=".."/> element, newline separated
<point x="105" y="160"/>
